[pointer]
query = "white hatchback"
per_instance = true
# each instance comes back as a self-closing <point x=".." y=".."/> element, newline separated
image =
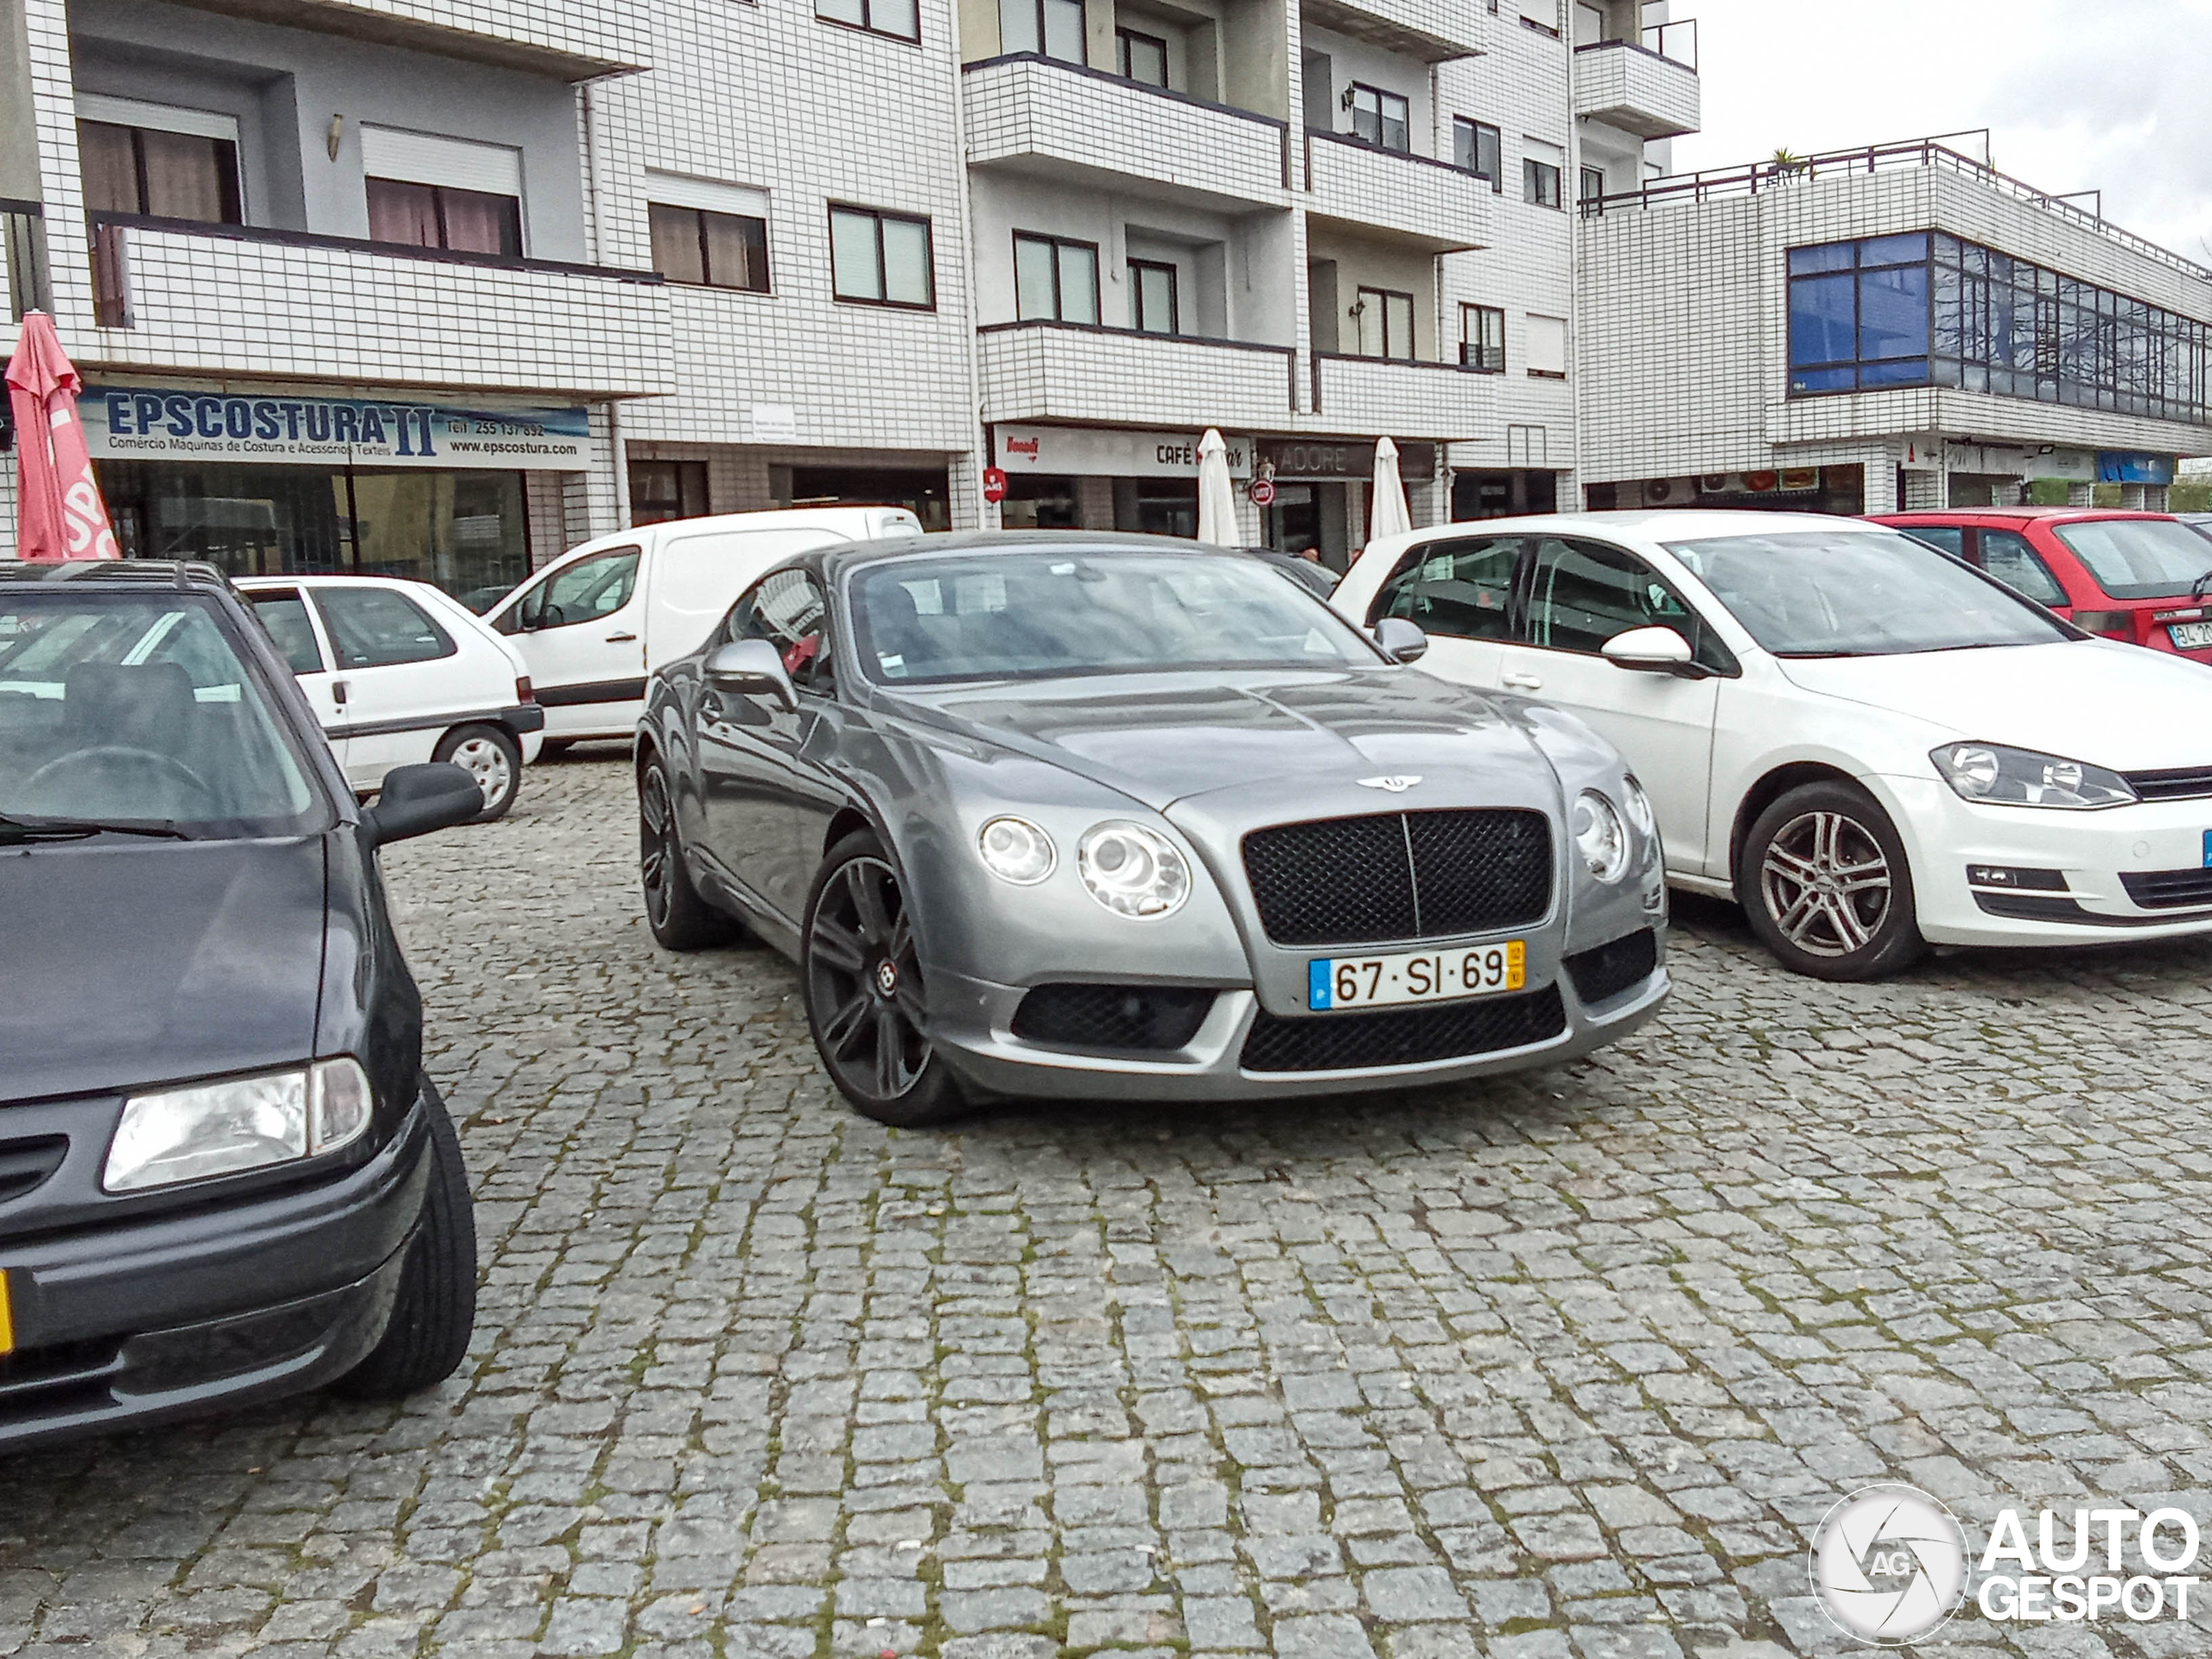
<point x="1867" y="743"/>
<point x="398" y="672"/>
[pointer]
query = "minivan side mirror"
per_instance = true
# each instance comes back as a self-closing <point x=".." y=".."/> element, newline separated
<point x="414" y="800"/>
<point x="1399" y="640"/>
<point x="1652" y="650"/>
<point x="752" y="668"/>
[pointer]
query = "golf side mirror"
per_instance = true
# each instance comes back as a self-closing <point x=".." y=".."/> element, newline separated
<point x="1652" y="650"/>
<point x="414" y="800"/>
<point x="752" y="668"/>
<point x="1399" y="640"/>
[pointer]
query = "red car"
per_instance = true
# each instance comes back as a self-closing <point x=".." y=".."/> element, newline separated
<point x="2143" y="577"/>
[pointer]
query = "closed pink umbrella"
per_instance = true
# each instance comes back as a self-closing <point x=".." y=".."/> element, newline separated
<point x="59" y="514"/>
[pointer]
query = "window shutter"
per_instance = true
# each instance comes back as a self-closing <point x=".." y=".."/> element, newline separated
<point x="156" y="117"/>
<point x="674" y="190"/>
<point x="1547" y="349"/>
<point x="427" y="158"/>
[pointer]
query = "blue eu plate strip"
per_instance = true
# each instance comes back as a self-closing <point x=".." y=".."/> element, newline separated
<point x="2208" y="849"/>
<point x="1317" y="973"/>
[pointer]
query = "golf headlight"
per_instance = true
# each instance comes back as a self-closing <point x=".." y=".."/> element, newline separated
<point x="1134" y="871"/>
<point x="220" y="1129"/>
<point x="1016" y="850"/>
<point x="1600" y="835"/>
<point x="2003" y="777"/>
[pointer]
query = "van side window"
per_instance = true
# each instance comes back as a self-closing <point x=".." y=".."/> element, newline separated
<point x="588" y="590"/>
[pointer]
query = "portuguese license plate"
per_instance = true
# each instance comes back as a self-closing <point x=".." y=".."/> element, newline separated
<point x="2191" y="636"/>
<point x="1416" y="977"/>
<point x="7" y="1317"/>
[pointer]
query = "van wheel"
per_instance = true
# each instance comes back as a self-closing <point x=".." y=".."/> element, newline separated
<point x="492" y="758"/>
<point x="435" y="1309"/>
<point x="1823" y="882"/>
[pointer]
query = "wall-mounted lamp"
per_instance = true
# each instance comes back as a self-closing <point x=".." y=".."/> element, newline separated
<point x="1350" y="93"/>
<point x="337" y="132"/>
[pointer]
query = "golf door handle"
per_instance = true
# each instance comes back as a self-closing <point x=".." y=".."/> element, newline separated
<point x="1524" y="682"/>
<point x="620" y="639"/>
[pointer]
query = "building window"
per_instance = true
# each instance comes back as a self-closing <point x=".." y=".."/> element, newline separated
<point x="1055" y="280"/>
<point x="1859" y="313"/>
<point x="661" y="490"/>
<point x="1542" y="166"/>
<point x="142" y="170"/>
<point x="879" y="259"/>
<point x="1379" y="118"/>
<point x="1482" y="338"/>
<point x="1386" y="323"/>
<point x="896" y="18"/>
<point x="433" y="216"/>
<point x="1143" y="57"/>
<point x="1545" y="347"/>
<point x="1593" y="185"/>
<point x="692" y="244"/>
<point x="1479" y="149"/>
<point x="1054" y="28"/>
<point x="1153" y="306"/>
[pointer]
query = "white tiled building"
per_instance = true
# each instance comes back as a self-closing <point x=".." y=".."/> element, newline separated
<point x="443" y="286"/>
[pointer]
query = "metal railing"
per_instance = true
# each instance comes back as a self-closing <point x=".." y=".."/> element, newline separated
<point x="1675" y="42"/>
<point x="1719" y="184"/>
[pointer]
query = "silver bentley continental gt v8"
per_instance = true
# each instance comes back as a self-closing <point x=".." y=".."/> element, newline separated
<point x="1117" y="817"/>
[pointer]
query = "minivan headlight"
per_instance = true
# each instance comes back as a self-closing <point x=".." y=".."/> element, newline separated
<point x="1134" y="871"/>
<point x="1600" y="835"/>
<point x="240" y="1123"/>
<point x="2003" y="777"/>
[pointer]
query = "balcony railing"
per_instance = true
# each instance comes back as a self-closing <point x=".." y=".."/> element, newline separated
<point x="1435" y="203"/>
<point x="1675" y="42"/>
<point x="1389" y="394"/>
<point x="567" y="40"/>
<point x="1068" y="371"/>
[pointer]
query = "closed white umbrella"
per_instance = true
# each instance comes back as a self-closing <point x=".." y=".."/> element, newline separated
<point x="1387" y="512"/>
<point x="1216" y="496"/>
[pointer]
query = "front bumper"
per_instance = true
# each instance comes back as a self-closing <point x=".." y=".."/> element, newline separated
<point x="2090" y="851"/>
<point x="171" y="1315"/>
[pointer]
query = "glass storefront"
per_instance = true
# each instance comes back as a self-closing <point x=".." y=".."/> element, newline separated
<point x="465" y="531"/>
<point x="923" y="491"/>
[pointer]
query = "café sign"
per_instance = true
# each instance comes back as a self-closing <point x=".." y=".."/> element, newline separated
<point x="163" y="423"/>
<point x="1097" y="452"/>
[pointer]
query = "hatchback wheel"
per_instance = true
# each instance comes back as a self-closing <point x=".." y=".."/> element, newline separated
<point x="679" y="918"/>
<point x="492" y="758"/>
<point x="863" y="984"/>
<point x="1823" y="881"/>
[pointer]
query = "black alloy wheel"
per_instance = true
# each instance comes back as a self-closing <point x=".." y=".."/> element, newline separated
<point x="679" y="918"/>
<point x="863" y="983"/>
<point x="1824" y="883"/>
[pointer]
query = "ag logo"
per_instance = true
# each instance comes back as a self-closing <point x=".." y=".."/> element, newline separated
<point x="1888" y="1565"/>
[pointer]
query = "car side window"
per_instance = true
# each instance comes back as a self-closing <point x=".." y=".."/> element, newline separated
<point x="1950" y="538"/>
<point x="375" y="627"/>
<point x="2007" y="555"/>
<point x="285" y="615"/>
<point x="1583" y="593"/>
<point x="1462" y="587"/>
<point x="788" y="609"/>
<point x="588" y="590"/>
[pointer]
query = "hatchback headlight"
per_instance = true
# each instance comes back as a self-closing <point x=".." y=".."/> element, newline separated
<point x="1134" y="871"/>
<point x="2003" y="777"/>
<point x="1016" y="850"/>
<point x="220" y="1129"/>
<point x="1600" y="836"/>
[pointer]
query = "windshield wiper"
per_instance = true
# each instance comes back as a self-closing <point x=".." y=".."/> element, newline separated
<point x="14" y="831"/>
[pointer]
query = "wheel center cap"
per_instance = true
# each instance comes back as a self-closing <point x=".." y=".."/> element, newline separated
<point x="886" y="978"/>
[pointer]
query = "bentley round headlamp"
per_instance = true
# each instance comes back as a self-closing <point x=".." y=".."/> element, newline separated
<point x="1134" y="871"/>
<point x="1600" y="835"/>
<point x="1016" y="850"/>
<point x="1641" y="817"/>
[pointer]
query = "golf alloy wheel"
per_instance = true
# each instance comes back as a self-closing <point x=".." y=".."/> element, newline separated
<point x="1825" y="882"/>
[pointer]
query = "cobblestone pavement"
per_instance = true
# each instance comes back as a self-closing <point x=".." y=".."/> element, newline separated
<point x="1569" y="1365"/>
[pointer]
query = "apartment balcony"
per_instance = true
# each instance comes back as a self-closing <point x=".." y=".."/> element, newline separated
<point x="1434" y="31"/>
<point x="566" y="39"/>
<point x="1039" y="116"/>
<point x="1639" y="88"/>
<point x="228" y="300"/>
<point x="1426" y="400"/>
<point x="1429" y="204"/>
<point x="1074" y="371"/>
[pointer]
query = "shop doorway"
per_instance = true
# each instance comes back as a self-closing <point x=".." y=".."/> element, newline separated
<point x="1037" y="501"/>
<point x="1503" y="494"/>
<point x="1157" y="506"/>
<point x="923" y="491"/>
<point x="1310" y="516"/>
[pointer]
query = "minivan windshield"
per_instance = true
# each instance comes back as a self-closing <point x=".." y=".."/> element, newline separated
<point x="134" y="711"/>
<point x="1025" y="615"/>
<point x="2139" y="558"/>
<point x="1837" y="593"/>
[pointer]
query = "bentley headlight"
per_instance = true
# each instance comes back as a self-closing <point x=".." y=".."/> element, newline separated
<point x="1641" y="817"/>
<point x="1134" y="871"/>
<point x="1600" y="836"/>
<point x="1016" y="850"/>
<point x="241" y="1124"/>
<point x="2003" y="777"/>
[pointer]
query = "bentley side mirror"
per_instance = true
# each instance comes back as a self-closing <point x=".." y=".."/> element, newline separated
<point x="416" y="800"/>
<point x="1399" y="640"/>
<point x="1652" y="650"/>
<point x="752" y="668"/>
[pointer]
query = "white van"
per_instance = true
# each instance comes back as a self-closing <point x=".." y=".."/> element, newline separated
<point x="597" y="620"/>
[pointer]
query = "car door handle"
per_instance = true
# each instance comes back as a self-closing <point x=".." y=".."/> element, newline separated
<point x="1524" y="682"/>
<point x="338" y="692"/>
<point x="620" y="639"/>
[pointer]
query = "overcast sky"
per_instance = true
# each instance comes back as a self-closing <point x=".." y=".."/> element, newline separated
<point x="2079" y="94"/>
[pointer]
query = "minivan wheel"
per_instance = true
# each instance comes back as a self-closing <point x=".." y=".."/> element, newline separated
<point x="435" y="1309"/>
<point x="1823" y="881"/>
<point x="863" y="983"/>
<point x="680" y="918"/>
<point x="491" y="756"/>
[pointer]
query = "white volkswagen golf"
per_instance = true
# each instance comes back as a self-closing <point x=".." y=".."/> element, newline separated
<point x="1868" y="744"/>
